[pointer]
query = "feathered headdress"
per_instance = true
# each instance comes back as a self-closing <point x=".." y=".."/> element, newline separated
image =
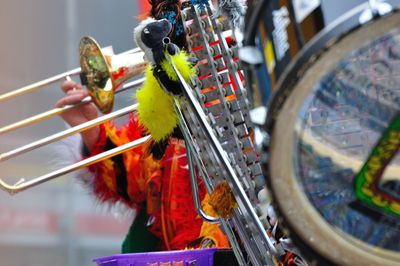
<point x="234" y="10"/>
<point x="171" y="10"/>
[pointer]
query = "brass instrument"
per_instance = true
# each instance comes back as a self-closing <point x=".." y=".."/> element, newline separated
<point x="214" y="119"/>
<point x="104" y="75"/>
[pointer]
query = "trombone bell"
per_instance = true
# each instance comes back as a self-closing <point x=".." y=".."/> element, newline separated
<point x="103" y="74"/>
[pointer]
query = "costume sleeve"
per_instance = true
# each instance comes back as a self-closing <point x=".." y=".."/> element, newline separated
<point x="123" y="177"/>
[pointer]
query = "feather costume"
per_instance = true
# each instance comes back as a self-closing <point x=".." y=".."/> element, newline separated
<point x="156" y="107"/>
<point x="158" y="189"/>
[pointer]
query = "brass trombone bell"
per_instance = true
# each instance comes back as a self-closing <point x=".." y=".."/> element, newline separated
<point x="116" y="69"/>
<point x="37" y="85"/>
<point x="103" y="74"/>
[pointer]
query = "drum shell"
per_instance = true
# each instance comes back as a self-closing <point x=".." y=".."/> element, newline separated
<point x="314" y="236"/>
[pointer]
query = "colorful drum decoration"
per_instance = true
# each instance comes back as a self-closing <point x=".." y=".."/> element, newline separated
<point x="334" y="168"/>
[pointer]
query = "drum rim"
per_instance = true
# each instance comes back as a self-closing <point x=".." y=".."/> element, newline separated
<point x="328" y="36"/>
<point x="286" y="191"/>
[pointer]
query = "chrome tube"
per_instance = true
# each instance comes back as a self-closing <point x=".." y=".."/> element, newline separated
<point x="66" y="133"/>
<point x="23" y="185"/>
<point x="56" y="111"/>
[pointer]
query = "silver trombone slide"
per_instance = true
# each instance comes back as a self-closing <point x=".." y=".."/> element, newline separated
<point x="67" y="133"/>
<point x="56" y="111"/>
<point x="39" y="84"/>
<point x="23" y="185"/>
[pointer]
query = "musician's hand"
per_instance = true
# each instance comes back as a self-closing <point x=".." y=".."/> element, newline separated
<point x="74" y="93"/>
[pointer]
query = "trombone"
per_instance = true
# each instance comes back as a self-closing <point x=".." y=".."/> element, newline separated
<point x="104" y="76"/>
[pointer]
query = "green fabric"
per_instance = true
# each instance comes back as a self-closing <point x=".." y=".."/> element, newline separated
<point x="139" y="239"/>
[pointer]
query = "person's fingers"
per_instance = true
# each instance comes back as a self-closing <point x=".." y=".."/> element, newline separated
<point x="78" y="91"/>
<point x="70" y="85"/>
<point x="71" y="99"/>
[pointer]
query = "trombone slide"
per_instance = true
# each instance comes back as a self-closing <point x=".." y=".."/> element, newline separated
<point x="23" y="185"/>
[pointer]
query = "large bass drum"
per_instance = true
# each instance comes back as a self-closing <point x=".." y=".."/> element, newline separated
<point x="334" y="168"/>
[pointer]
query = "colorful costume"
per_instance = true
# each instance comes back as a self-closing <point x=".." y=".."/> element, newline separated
<point x="159" y="190"/>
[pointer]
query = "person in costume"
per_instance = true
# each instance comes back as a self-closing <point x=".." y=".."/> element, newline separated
<point x="157" y="188"/>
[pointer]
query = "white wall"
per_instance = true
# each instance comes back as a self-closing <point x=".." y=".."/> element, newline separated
<point x="334" y="8"/>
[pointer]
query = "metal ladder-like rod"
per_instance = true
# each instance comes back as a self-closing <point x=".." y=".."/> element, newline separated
<point x="220" y="153"/>
<point x="194" y="160"/>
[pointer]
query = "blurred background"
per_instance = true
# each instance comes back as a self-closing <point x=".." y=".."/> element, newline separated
<point x="59" y="222"/>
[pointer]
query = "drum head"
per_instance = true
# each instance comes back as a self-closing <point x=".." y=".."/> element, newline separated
<point x="342" y="103"/>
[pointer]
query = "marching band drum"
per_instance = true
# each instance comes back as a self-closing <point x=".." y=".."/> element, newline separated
<point x="334" y="122"/>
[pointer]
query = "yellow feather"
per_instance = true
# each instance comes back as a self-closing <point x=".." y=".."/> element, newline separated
<point x="180" y="61"/>
<point x="156" y="109"/>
